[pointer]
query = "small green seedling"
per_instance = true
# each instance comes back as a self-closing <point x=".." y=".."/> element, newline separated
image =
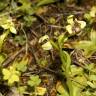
<point x="34" y="81"/>
<point x="22" y="89"/>
<point x="21" y="65"/>
<point x="70" y="28"/>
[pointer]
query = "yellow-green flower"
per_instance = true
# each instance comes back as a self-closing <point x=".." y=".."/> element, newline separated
<point x="47" y="45"/>
<point x="7" y="23"/>
<point x="72" y="24"/>
<point x="11" y="75"/>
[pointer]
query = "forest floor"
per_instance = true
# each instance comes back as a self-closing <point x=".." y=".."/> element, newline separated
<point x="51" y="58"/>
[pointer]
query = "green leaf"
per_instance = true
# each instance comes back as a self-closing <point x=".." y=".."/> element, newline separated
<point x="3" y="4"/>
<point x="44" y="2"/>
<point x="66" y="61"/>
<point x="81" y="80"/>
<point x="92" y="77"/>
<point x="26" y="7"/>
<point x="74" y="90"/>
<point x="87" y="16"/>
<point x="89" y="47"/>
<point x="61" y="90"/>
<point x="93" y="11"/>
<point x="92" y="85"/>
<point x="75" y="70"/>
<point x="28" y="20"/>
<point x="5" y="26"/>
<point x="54" y="44"/>
<point x="2" y="38"/>
<point x="61" y="39"/>
<point x="2" y="58"/>
<point x="83" y="44"/>
<point x="93" y="36"/>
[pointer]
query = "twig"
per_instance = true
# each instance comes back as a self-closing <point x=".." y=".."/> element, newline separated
<point x="34" y="33"/>
<point x="11" y="58"/>
<point x="26" y="39"/>
<point x="56" y="26"/>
